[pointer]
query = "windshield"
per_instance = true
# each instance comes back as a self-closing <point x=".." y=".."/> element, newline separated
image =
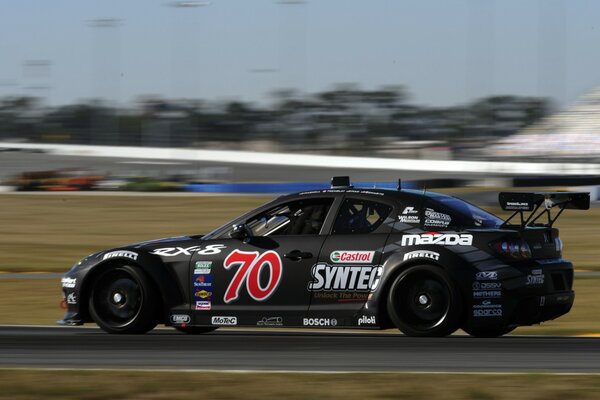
<point x="478" y="217"/>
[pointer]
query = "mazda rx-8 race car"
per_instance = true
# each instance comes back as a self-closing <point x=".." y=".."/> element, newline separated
<point x="345" y="257"/>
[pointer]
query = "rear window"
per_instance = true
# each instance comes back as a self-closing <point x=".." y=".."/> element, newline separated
<point x="470" y="216"/>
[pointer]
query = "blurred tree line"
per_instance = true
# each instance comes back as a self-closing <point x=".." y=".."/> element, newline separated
<point x="344" y="119"/>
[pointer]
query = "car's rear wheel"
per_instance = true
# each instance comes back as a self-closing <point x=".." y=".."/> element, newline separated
<point x="194" y="330"/>
<point x="490" y="332"/>
<point x="124" y="300"/>
<point x="423" y="301"/>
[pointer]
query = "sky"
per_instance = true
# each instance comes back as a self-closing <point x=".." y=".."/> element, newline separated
<point x="445" y="52"/>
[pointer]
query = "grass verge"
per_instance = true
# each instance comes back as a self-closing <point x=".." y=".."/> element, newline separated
<point x="88" y="385"/>
<point x="35" y="301"/>
<point x="52" y="232"/>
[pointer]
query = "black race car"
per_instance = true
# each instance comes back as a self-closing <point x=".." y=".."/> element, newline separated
<point x="345" y="257"/>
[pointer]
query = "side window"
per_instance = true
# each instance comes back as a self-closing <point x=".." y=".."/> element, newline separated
<point x="436" y="216"/>
<point x="360" y="216"/>
<point x="300" y="217"/>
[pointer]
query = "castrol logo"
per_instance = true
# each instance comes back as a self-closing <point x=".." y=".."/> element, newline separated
<point x="352" y="256"/>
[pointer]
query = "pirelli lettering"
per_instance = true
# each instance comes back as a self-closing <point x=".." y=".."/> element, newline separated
<point x="344" y="278"/>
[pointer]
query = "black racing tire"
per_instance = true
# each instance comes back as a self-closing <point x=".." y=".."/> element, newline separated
<point x="423" y="301"/>
<point x="194" y="330"/>
<point x="490" y="332"/>
<point x="123" y="299"/>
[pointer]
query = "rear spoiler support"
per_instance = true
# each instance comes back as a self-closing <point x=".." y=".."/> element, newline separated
<point x="532" y="202"/>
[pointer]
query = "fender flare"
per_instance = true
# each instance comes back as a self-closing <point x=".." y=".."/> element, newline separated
<point x="165" y="282"/>
<point x="392" y="266"/>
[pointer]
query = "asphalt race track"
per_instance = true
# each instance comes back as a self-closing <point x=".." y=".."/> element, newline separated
<point x="289" y="350"/>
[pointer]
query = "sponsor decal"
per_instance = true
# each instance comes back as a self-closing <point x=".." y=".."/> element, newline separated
<point x="436" y="219"/>
<point x="367" y="320"/>
<point x="486" y="285"/>
<point x="202" y="294"/>
<point x="446" y="239"/>
<point x="344" y="278"/>
<point x="486" y="276"/>
<point x="352" y="256"/>
<point x="203" y="267"/>
<point x="180" y="319"/>
<point x="497" y="312"/>
<point x="536" y="278"/>
<point x="409" y="219"/>
<point x="432" y="255"/>
<point x="516" y="205"/>
<point x="68" y="283"/>
<point x="487" y="294"/>
<point x="487" y="309"/>
<point x="188" y="251"/>
<point x="250" y="264"/>
<point x="216" y="320"/>
<point x="487" y="290"/>
<point x="409" y="210"/>
<point x="342" y="297"/>
<point x="203" y="305"/>
<point x="319" y="322"/>
<point x="121" y="253"/>
<point x="203" y="281"/>
<point x="71" y="299"/>
<point x="270" y="321"/>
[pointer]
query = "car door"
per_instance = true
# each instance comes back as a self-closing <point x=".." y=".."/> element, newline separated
<point x="260" y="278"/>
<point x="349" y="265"/>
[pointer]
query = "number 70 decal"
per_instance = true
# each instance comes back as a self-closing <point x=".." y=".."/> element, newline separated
<point x="250" y="265"/>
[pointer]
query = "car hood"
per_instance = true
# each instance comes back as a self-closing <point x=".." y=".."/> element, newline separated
<point x="170" y="241"/>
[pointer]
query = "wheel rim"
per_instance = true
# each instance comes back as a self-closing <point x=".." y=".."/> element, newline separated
<point x="118" y="299"/>
<point x="423" y="300"/>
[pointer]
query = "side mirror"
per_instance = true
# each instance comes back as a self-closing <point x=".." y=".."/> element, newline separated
<point x="240" y="232"/>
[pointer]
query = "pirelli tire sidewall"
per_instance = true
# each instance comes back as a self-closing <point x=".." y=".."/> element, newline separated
<point x="398" y="308"/>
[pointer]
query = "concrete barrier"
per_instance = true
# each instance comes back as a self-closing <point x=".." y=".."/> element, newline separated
<point x="310" y="160"/>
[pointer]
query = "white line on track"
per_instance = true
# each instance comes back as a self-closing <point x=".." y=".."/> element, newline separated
<point x="338" y="331"/>
<point x="297" y="372"/>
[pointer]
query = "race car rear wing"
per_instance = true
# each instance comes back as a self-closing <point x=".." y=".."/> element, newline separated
<point x="539" y="204"/>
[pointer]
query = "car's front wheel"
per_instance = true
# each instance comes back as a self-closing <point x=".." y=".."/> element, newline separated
<point x="124" y="300"/>
<point x="423" y="301"/>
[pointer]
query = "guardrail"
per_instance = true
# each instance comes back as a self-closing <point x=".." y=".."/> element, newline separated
<point x="311" y="160"/>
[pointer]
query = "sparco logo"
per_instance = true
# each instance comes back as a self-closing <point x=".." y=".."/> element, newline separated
<point x="344" y="278"/>
<point x="319" y="322"/>
<point x="352" y="257"/>
<point x="180" y="319"/>
<point x="223" y="320"/>
<point x="446" y="239"/>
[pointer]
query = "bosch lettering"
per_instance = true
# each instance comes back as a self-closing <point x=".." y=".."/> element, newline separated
<point x="319" y="322"/>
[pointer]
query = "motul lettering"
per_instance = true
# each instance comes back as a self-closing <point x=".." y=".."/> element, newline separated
<point x="446" y="239"/>
<point x="344" y="278"/>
